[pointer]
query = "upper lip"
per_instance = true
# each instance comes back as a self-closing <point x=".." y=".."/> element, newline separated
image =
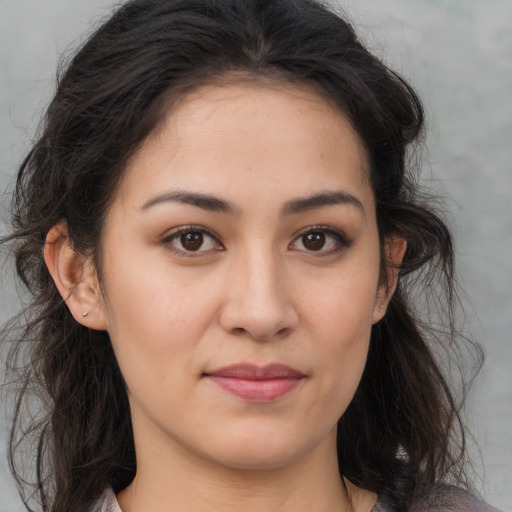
<point x="253" y="372"/>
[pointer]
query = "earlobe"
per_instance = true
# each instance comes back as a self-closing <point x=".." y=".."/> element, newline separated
<point x="75" y="277"/>
<point x="394" y="250"/>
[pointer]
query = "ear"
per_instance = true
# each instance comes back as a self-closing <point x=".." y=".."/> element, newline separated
<point x="76" y="279"/>
<point x="394" y="250"/>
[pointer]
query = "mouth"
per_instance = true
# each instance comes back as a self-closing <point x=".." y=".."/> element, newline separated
<point x="256" y="384"/>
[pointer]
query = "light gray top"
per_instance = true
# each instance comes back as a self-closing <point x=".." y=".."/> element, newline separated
<point x="441" y="499"/>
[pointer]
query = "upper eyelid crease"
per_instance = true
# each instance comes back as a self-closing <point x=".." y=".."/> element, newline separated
<point x="325" y="228"/>
<point x="167" y="239"/>
<point x="341" y="238"/>
<point x="189" y="229"/>
<point x="304" y="231"/>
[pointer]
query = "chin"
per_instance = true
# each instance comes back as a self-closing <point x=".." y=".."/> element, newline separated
<point x="262" y="450"/>
<point x="256" y="460"/>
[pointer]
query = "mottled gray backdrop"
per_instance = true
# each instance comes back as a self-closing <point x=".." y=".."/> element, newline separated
<point x="458" y="54"/>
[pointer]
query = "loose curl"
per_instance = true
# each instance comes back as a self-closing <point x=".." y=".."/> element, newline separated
<point x="403" y="430"/>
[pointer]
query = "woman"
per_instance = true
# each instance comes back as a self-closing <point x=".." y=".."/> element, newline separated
<point x="222" y="239"/>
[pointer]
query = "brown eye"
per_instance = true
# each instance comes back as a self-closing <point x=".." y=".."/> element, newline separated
<point x="192" y="241"/>
<point x="323" y="240"/>
<point x="313" y="241"/>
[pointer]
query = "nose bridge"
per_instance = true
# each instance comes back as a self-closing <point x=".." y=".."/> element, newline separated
<point x="263" y="278"/>
<point x="258" y="302"/>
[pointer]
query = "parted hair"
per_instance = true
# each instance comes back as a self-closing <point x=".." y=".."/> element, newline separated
<point x="402" y="431"/>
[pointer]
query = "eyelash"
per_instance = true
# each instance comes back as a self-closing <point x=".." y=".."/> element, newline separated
<point x="341" y="241"/>
<point x="185" y="230"/>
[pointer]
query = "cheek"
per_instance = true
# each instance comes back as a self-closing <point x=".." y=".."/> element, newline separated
<point x="344" y="336"/>
<point x="340" y="365"/>
<point x="341" y="306"/>
<point x="155" y="320"/>
<point x="340" y="319"/>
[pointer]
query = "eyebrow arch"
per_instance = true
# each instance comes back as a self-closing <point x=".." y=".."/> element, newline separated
<point x="204" y="201"/>
<point x="320" y="200"/>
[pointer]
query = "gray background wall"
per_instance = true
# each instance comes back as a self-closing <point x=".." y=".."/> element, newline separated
<point x="458" y="54"/>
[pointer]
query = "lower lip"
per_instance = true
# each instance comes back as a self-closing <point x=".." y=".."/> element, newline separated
<point x="266" y="390"/>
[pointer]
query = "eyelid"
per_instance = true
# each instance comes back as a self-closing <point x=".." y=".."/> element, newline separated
<point x="343" y="242"/>
<point x="181" y="230"/>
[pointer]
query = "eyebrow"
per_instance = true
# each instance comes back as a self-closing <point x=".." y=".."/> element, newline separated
<point x="203" y="201"/>
<point x="321" y="200"/>
<point x="294" y="206"/>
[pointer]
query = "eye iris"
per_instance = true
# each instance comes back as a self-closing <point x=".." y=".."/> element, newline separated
<point x="192" y="241"/>
<point x="313" y="241"/>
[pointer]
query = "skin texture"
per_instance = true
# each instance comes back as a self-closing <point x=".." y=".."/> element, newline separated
<point x="256" y="291"/>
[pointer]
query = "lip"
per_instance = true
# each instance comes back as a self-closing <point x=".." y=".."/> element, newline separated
<point x="256" y="383"/>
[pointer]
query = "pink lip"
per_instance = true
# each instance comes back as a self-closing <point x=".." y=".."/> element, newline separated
<point x="257" y="384"/>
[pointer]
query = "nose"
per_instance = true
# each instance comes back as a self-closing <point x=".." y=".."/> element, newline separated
<point x="258" y="301"/>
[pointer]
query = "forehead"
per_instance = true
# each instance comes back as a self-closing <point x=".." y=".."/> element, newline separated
<point x="217" y="137"/>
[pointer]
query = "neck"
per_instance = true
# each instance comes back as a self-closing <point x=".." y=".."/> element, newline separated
<point x="184" y="483"/>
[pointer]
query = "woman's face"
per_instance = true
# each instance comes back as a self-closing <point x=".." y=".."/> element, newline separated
<point x="240" y="277"/>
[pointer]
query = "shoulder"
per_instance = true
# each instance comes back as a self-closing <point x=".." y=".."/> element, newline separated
<point x="442" y="498"/>
<point x="447" y="498"/>
<point x="107" y="502"/>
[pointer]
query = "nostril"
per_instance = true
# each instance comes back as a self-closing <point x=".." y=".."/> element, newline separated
<point x="283" y="332"/>
<point x="258" y="317"/>
<point x="240" y="331"/>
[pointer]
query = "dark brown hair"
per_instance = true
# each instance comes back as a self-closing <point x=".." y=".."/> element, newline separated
<point x="402" y="432"/>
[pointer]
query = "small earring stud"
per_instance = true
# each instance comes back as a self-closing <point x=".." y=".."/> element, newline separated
<point x="85" y="314"/>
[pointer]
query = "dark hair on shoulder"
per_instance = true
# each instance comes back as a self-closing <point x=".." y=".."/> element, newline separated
<point x="403" y="431"/>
